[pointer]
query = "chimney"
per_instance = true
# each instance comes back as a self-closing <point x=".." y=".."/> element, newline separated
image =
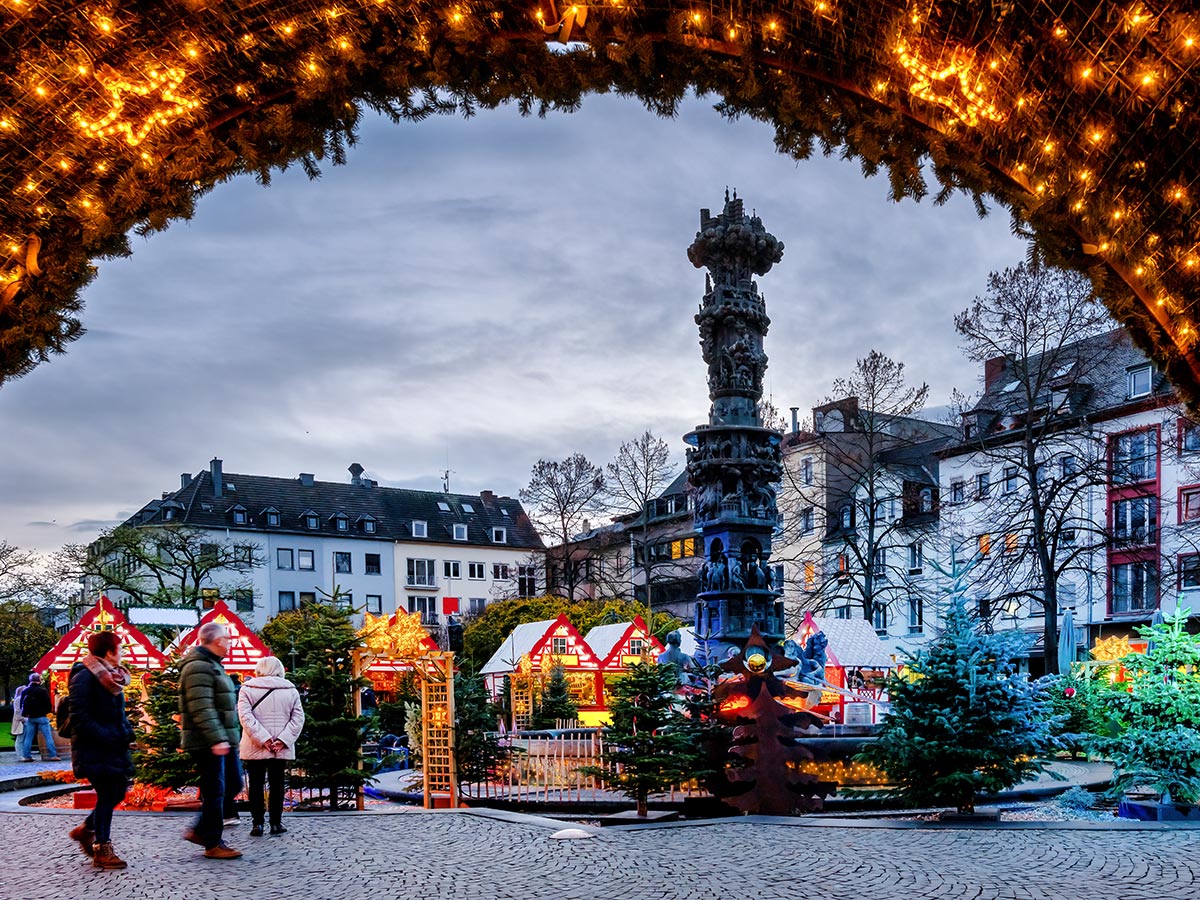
<point x="185" y="479"/>
<point x="306" y="479"/>
<point x="488" y="498"/>
<point x="992" y="370"/>
<point x="218" y="477"/>
<point x="795" y="420"/>
<point x="356" y="471"/>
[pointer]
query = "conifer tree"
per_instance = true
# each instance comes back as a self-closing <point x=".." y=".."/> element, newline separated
<point x="329" y="755"/>
<point x="158" y="758"/>
<point x="648" y="739"/>
<point x="555" y="702"/>
<point x="963" y="721"/>
<point x="477" y="751"/>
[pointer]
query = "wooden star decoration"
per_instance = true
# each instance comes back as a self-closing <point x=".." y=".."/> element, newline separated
<point x="160" y="84"/>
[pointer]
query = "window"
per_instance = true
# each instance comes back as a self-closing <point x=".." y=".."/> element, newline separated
<point x="1189" y="504"/>
<point x="925" y="500"/>
<point x="468" y="508"/>
<point x="443" y="506"/>
<point x="1066" y="537"/>
<point x="1012" y="542"/>
<point x="843" y="567"/>
<point x="984" y="544"/>
<point x="1134" y="587"/>
<point x="243" y="600"/>
<point x="475" y="605"/>
<point x="881" y="566"/>
<point x="168" y="514"/>
<point x="499" y="571"/>
<point x="420" y="574"/>
<point x="958" y="491"/>
<point x="1010" y="479"/>
<point x="879" y="617"/>
<point x="842" y="612"/>
<point x="208" y="554"/>
<point x="1139" y="381"/>
<point x="983" y="483"/>
<point x="806" y="470"/>
<point x="368" y="526"/>
<point x="637" y="646"/>
<point x="1189" y="436"/>
<point x="810" y="576"/>
<point x="916" y="613"/>
<point x="527" y="581"/>
<point x="807" y="517"/>
<point x="500" y="535"/>
<point x="273" y="519"/>
<point x="847" y="517"/>
<point x="307" y="560"/>
<point x="346" y="600"/>
<point x="475" y="571"/>
<point x="984" y="607"/>
<point x="372" y="564"/>
<point x="287" y="601"/>
<point x="307" y="597"/>
<point x="1135" y="520"/>
<point x="209" y="597"/>
<point x="426" y="606"/>
<point x="1189" y="572"/>
<point x="420" y="529"/>
<point x="1135" y="457"/>
<point x="311" y="522"/>
<point x="1067" y="466"/>
<point x="558" y="646"/>
<point x="460" y="531"/>
<point x="916" y="558"/>
<point x="342" y="523"/>
<point x="284" y="558"/>
<point x="341" y="563"/>
<point x="375" y="604"/>
<point x="239" y="516"/>
<point x="452" y="568"/>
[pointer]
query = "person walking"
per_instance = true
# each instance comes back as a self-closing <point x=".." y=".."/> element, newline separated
<point x="210" y="733"/>
<point x="272" y="718"/>
<point x="101" y="737"/>
<point x="35" y="708"/>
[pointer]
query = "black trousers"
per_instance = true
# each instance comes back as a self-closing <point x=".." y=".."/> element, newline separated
<point x="271" y="771"/>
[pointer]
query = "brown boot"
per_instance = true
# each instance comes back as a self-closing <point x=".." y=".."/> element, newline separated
<point x="84" y="836"/>
<point x="106" y="858"/>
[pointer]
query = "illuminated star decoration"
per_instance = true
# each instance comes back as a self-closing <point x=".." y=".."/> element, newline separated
<point x="949" y="85"/>
<point x="161" y="82"/>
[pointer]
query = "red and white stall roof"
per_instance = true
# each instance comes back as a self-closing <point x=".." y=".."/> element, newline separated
<point x="245" y="647"/>
<point x="622" y="644"/>
<point x="137" y="650"/>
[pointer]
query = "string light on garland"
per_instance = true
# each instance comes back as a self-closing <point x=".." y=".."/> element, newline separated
<point x="163" y="82"/>
<point x="949" y="85"/>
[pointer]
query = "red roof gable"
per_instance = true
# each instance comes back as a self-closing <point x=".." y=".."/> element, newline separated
<point x="137" y="650"/>
<point x="576" y="646"/>
<point x="637" y="629"/>
<point x="245" y="647"/>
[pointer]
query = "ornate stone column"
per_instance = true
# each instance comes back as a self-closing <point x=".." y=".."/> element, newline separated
<point x="734" y="462"/>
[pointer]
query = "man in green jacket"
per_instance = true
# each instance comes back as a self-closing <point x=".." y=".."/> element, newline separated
<point x="209" y="722"/>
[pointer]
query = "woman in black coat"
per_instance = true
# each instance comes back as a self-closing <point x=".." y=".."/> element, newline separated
<point x="100" y="742"/>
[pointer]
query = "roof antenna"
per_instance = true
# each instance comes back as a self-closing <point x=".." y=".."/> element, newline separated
<point x="446" y="481"/>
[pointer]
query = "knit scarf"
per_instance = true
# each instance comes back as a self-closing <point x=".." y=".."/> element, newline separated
<point x="114" y="678"/>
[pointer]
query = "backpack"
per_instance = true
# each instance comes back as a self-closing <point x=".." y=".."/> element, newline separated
<point x="62" y="716"/>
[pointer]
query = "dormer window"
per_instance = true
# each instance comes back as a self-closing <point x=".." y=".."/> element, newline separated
<point x="238" y="514"/>
<point x="340" y="521"/>
<point x="368" y="525"/>
<point x="311" y="520"/>
<point x="168" y="514"/>
<point x="500" y="535"/>
<point x="420" y="529"/>
<point x="271" y="517"/>
<point x="460" y="531"/>
<point x="1139" y="381"/>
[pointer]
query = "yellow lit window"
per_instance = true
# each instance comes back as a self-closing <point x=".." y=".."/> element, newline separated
<point x="810" y="576"/>
<point x="985" y="544"/>
<point x="1010" y="542"/>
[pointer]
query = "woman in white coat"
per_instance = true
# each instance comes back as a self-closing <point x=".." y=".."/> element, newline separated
<point x="272" y="719"/>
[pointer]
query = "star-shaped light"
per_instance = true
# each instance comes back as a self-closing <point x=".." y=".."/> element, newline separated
<point x="159" y="84"/>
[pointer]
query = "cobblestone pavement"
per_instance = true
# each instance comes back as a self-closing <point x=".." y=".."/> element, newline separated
<point x="458" y="856"/>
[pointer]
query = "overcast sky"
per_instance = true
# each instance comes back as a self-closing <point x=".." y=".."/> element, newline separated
<point x="472" y="295"/>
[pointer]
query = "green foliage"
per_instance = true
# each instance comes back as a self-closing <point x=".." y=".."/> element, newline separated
<point x="485" y="632"/>
<point x="555" y="702"/>
<point x="1159" y="743"/>
<point x="1078" y="711"/>
<point x="328" y="756"/>
<point x="708" y="735"/>
<point x="963" y="721"/>
<point x="1076" y="798"/>
<point x="23" y="641"/>
<point x="477" y="751"/>
<point x="647" y="747"/>
<point x="158" y="759"/>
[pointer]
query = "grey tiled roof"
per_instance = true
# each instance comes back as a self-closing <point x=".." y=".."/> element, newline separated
<point x="393" y="510"/>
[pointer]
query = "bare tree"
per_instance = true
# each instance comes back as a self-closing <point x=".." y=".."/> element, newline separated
<point x="859" y="491"/>
<point x="162" y="565"/>
<point x="637" y="476"/>
<point x="1041" y="336"/>
<point x="17" y="571"/>
<point x="562" y="497"/>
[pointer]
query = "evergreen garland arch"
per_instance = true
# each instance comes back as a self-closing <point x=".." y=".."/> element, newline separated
<point x="1080" y="118"/>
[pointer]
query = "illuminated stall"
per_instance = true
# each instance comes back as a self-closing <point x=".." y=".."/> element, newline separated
<point x="245" y="647"/>
<point x="620" y="646"/>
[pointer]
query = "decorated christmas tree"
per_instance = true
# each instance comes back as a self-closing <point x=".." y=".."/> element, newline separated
<point x="647" y="749"/>
<point x="158" y="758"/>
<point x="963" y="721"/>
<point x="555" y="703"/>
